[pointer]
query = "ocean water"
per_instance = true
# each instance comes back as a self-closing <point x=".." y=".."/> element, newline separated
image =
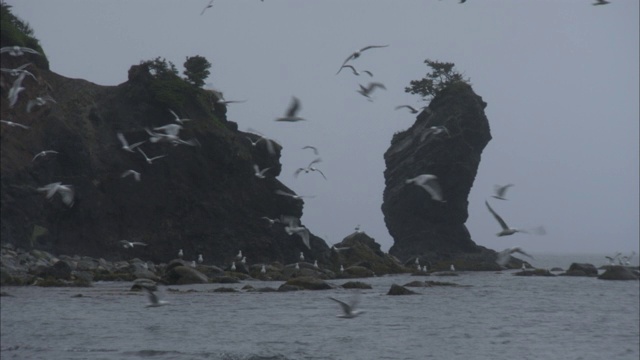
<point x="495" y="316"/>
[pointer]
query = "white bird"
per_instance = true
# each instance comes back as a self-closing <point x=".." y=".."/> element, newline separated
<point x="291" y="114"/>
<point x="180" y="254"/>
<point x="301" y="256"/>
<point x="310" y="167"/>
<point x="260" y="173"/>
<point x="177" y="118"/>
<point x="524" y="267"/>
<point x="44" y="153"/>
<point x="424" y="268"/>
<point x="297" y="197"/>
<point x="19" y="70"/>
<point x="268" y="142"/>
<point x="66" y="192"/>
<point x="233" y="266"/>
<point x="411" y="108"/>
<point x="239" y="255"/>
<point x="154" y="301"/>
<point x="244" y="260"/>
<point x="125" y="144"/>
<point x="504" y="255"/>
<point x="136" y="175"/>
<point x="200" y="259"/>
<point x="222" y="101"/>
<point x="357" y="229"/>
<point x="17" y="50"/>
<point x="297" y="266"/>
<point x="452" y="268"/>
<point x="263" y="269"/>
<point x="417" y="261"/>
<point x="15" y="90"/>
<point x="193" y="263"/>
<point x="430" y="184"/>
<point x="366" y="91"/>
<point x="206" y="7"/>
<point x="130" y="244"/>
<point x="13" y="124"/>
<point x="355" y="72"/>
<point x="348" y="310"/>
<point x="170" y="136"/>
<point x="170" y="129"/>
<point x="434" y="130"/>
<point x="150" y="161"/>
<point x="338" y="249"/>
<point x="500" y="191"/>
<point x="356" y="54"/>
<point x="39" y="101"/>
<point x="315" y="150"/>
<point x="418" y="267"/>
<point x="506" y="230"/>
<point x="315" y="264"/>
<point x="271" y="221"/>
<point x="341" y="268"/>
<point x="293" y="227"/>
<point x="613" y="258"/>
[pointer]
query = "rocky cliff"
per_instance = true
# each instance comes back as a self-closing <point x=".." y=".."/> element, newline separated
<point x="203" y="199"/>
<point x="421" y="226"/>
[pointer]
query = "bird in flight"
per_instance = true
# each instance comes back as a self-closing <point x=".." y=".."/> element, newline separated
<point x="125" y="144"/>
<point x="348" y="310"/>
<point x="310" y="167"/>
<point x="17" y="50"/>
<point x="297" y="197"/>
<point x="66" y="192"/>
<point x="19" y="70"/>
<point x="44" y="153"/>
<point x="293" y="227"/>
<point x="315" y="150"/>
<point x="210" y="4"/>
<point x="39" y="101"/>
<point x="366" y="91"/>
<point x="150" y="161"/>
<point x="260" y="173"/>
<point x="291" y="114"/>
<point x="504" y="255"/>
<point x="356" y="54"/>
<point x="355" y="72"/>
<point x="500" y="191"/>
<point x="177" y="118"/>
<point x="430" y="184"/>
<point x="506" y="230"/>
<point x="130" y="244"/>
<point x="154" y="301"/>
<point x="136" y="175"/>
<point x="11" y="123"/>
<point x="434" y="130"/>
<point x="409" y="107"/>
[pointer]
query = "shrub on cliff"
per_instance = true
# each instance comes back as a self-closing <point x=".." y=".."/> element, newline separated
<point x="441" y="76"/>
<point x="196" y="69"/>
<point x="16" y="32"/>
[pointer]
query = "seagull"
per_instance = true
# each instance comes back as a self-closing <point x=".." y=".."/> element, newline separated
<point x="418" y="266"/>
<point x="506" y="230"/>
<point x="263" y="270"/>
<point x="17" y="50"/>
<point x="200" y="259"/>
<point x="411" y="108"/>
<point x="612" y="259"/>
<point x="356" y="54"/>
<point x="180" y="254"/>
<point x="154" y="301"/>
<point x="500" y="191"/>
<point x="290" y="115"/>
<point x="233" y="266"/>
<point x="125" y="144"/>
<point x="150" y="161"/>
<point x="315" y="264"/>
<point x="193" y="263"/>
<point x="417" y="262"/>
<point x="271" y="221"/>
<point x="348" y="310"/>
<point x="365" y="91"/>
<point x="130" y="244"/>
<point x="43" y="153"/>
<point x="452" y="268"/>
<point x="170" y="135"/>
<point x="239" y="255"/>
<point x="297" y="266"/>
<point x="301" y="256"/>
<point x="177" y="118"/>
<point x="504" y="255"/>
<point x="15" y="90"/>
<point x="19" y="70"/>
<point x="338" y="249"/>
<point x="244" y="260"/>
<point x="600" y="2"/>
<point x="66" y="192"/>
<point x="524" y="267"/>
<point x="136" y="175"/>
<point x="170" y="129"/>
<point x="430" y="184"/>
<point x="341" y="268"/>
<point x="293" y="227"/>
<point x="355" y="72"/>
<point x="297" y="197"/>
<point x="206" y="7"/>
<point x="434" y="130"/>
<point x="357" y="229"/>
<point x="315" y="150"/>
<point x="260" y="173"/>
<point x="310" y="167"/>
<point x="11" y="123"/>
<point x="424" y="268"/>
<point x="39" y="101"/>
<point x="266" y="140"/>
<point x="222" y="101"/>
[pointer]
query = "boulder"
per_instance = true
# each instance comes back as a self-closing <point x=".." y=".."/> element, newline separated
<point x="309" y="283"/>
<point x="535" y="272"/>
<point x="618" y="272"/>
<point x="356" y="285"/>
<point x="181" y="275"/>
<point x="581" y="269"/>
<point x="400" y="290"/>
<point x="357" y="272"/>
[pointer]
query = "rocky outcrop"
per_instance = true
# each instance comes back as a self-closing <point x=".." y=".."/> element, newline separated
<point x="617" y="272"/>
<point x="396" y="289"/>
<point x="420" y="225"/>
<point x="358" y="251"/>
<point x="581" y="269"/>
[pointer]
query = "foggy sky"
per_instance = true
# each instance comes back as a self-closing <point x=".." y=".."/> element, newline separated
<point x="560" y="79"/>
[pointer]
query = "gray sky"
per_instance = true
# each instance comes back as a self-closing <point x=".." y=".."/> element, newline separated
<point x="560" y="79"/>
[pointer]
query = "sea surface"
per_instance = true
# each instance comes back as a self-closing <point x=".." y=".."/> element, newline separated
<point x="494" y="316"/>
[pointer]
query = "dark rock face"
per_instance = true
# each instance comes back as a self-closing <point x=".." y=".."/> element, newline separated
<point x="617" y="272"/>
<point x="581" y="269"/>
<point x="399" y="290"/>
<point x="418" y="224"/>
<point x="202" y="199"/>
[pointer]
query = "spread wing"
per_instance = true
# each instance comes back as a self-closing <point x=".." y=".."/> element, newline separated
<point x="495" y="215"/>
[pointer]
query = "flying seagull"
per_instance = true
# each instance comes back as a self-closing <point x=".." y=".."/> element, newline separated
<point x="136" y="175"/>
<point x="434" y="130"/>
<point x="506" y="230"/>
<point x="11" y="123"/>
<point x="130" y="244"/>
<point x="125" y="144"/>
<point x="293" y="227"/>
<point x="366" y="91"/>
<point x="66" y="192"/>
<point x="150" y="161"/>
<point x="430" y="184"/>
<point x="315" y="150"/>
<point x="44" y="153"/>
<point x="293" y="109"/>
<point x="206" y="7"/>
<point x="15" y="90"/>
<point x="260" y="173"/>
<point x="39" y="101"/>
<point x="504" y="255"/>
<point x="500" y="191"/>
<point x="19" y="70"/>
<point x="154" y="301"/>
<point x="356" y="54"/>
<point x="297" y="197"/>
<point x="612" y="259"/>
<point x="177" y="118"/>
<point x="17" y="50"/>
<point x="355" y="72"/>
<point x="411" y="108"/>
<point x="348" y="310"/>
<point x="310" y="167"/>
<point x="271" y="221"/>
<point x="270" y="147"/>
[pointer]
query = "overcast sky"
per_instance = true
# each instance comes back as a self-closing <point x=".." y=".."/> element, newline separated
<point x="560" y="79"/>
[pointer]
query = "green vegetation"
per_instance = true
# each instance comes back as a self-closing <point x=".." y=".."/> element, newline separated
<point x="16" y="32"/>
<point x="441" y="76"/>
<point x="196" y="69"/>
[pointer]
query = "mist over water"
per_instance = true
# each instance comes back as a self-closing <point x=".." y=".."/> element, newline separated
<point x="497" y="316"/>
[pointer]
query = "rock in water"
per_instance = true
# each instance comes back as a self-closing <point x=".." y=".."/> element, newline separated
<point x="417" y="223"/>
<point x="617" y="272"/>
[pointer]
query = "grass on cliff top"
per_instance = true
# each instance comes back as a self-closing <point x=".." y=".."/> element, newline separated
<point x="16" y="32"/>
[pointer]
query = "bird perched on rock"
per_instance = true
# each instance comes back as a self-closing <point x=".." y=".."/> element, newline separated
<point x="200" y="259"/>
<point x="180" y="254"/>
